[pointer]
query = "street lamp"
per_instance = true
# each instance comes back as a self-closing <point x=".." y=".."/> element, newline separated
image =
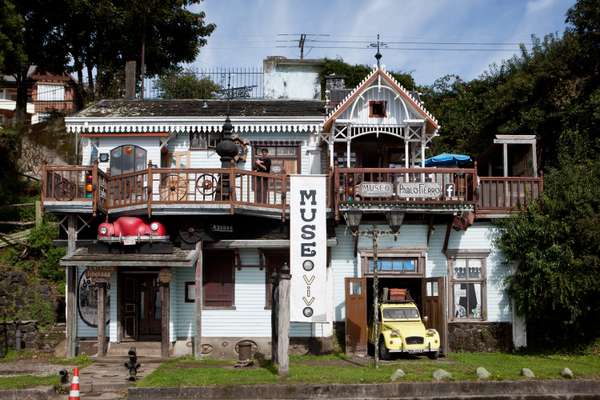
<point x="394" y="219"/>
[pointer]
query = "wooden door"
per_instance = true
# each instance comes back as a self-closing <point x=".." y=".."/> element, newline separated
<point x="434" y="307"/>
<point x="356" y="315"/>
<point x="149" y="307"/>
<point x="129" y="306"/>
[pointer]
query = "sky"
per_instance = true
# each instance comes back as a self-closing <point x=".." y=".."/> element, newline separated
<point x="250" y="30"/>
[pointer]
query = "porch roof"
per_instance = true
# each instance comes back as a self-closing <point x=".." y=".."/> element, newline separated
<point x="83" y="257"/>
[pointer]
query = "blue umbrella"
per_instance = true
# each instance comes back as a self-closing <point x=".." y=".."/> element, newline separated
<point x="448" y="160"/>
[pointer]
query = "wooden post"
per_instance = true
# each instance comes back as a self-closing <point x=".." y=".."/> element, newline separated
<point x="71" y="289"/>
<point x="534" y="159"/>
<point x="149" y="190"/>
<point x="506" y="201"/>
<point x="101" y="289"/>
<point x="283" y="321"/>
<point x="38" y="213"/>
<point x="199" y="297"/>
<point x="274" y="310"/>
<point x="164" y="278"/>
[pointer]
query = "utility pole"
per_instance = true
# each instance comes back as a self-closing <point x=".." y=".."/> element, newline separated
<point x="301" y="45"/>
<point x="375" y="236"/>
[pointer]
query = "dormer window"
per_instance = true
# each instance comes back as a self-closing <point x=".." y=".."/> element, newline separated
<point x="377" y="109"/>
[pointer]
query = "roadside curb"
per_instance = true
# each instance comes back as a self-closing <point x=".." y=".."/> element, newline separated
<point x="540" y="389"/>
<point x="40" y="393"/>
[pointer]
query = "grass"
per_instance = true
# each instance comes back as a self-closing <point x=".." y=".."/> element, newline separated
<point x="28" y="381"/>
<point x="339" y="369"/>
<point x="80" y="361"/>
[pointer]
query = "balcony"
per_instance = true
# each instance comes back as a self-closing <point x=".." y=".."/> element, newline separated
<point x="201" y="191"/>
<point x="164" y="191"/>
<point x="433" y="190"/>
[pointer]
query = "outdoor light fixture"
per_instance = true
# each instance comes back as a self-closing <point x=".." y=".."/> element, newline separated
<point x="353" y="218"/>
<point x="394" y="219"/>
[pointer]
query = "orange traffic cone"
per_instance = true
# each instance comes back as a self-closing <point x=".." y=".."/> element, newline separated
<point x="74" y="393"/>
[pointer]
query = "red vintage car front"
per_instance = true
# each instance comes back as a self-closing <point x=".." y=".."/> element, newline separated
<point x="132" y="230"/>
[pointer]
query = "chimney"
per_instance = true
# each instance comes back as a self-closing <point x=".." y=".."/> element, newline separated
<point x="130" y="80"/>
<point x="335" y="91"/>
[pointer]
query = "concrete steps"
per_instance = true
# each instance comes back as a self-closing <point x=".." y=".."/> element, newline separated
<point x="144" y="349"/>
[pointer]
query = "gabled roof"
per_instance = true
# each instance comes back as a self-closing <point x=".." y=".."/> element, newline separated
<point x="204" y="108"/>
<point x="372" y="77"/>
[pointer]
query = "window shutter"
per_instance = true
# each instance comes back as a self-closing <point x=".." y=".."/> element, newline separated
<point x="218" y="278"/>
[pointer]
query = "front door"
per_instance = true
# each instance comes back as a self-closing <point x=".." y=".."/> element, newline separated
<point x="356" y="315"/>
<point x="434" y="307"/>
<point x="140" y="307"/>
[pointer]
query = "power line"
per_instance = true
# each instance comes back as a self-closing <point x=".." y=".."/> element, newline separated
<point x="406" y="48"/>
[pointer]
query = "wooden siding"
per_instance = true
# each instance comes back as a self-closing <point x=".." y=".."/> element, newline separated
<point x="395" y="111"/>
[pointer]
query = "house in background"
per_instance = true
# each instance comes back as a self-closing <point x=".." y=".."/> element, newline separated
<point x="47" y="93"/>
<point x="214" y="228"/>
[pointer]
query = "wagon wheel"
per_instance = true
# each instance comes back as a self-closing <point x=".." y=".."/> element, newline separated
<point x="206" y="184"/>
<point x="190" y="233"/>
<point x="64" y="190"/>
<point x="173" y="187"/>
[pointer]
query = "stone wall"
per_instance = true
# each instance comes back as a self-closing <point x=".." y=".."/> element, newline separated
<point x="33" y="337"/>
<point x="480" y="336"/>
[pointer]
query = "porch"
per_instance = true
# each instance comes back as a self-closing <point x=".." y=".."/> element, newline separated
<point x="222" y="191"/>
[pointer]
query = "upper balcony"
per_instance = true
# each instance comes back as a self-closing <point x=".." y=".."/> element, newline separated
<point x="201" y="191"/>
<point x="164" y="191"/>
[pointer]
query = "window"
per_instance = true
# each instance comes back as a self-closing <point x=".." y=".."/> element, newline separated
<point x="127" y="158"/>
<point x="203" y="140"/>
<point x="394" y="265"/>
<point x="468" y="288"/>
<point x="218" y="279"/>
<point x="50" y="92"/>
<point x="285" y="158"/>
<point x="377" y="109"/>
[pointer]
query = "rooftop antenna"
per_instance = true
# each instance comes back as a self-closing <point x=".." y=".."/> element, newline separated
<point x="378" y="45"/>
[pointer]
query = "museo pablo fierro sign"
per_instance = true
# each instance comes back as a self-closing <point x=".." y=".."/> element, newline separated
<point x="376" y="189"/>
<point x="420" y="189"/>
<point x="308" y="248"/>
<point x="403" y="189"/>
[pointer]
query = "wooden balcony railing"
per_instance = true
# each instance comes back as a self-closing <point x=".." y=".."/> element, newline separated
<point x="449" y="189"/>
<point x="166" y="187"/>
<point x="414" y="186"/>
<point x="505" y="194"/>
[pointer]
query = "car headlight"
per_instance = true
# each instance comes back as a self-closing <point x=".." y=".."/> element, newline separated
<point x="395" y="333"/>
<point x="431" y="332"/>
<point x="103" y="230"/>
<point x="154" y="226"/>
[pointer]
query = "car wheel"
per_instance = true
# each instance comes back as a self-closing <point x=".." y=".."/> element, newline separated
<point x="433" y="355"/>
<point x="384" y="354"/>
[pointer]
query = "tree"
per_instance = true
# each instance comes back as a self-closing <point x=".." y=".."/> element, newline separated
<point x="186" y="85"/>
<point x="354" y="74"/>
<point x="556" y="246"/>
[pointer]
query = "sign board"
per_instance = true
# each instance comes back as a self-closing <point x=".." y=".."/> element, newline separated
<point x="420" y="190"/>
<point x="376" y="189"/>
<point x="87" y="301"/>
<point x="308" y="249"/>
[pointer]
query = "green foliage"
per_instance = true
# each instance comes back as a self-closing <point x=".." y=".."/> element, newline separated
<point x="354" y="74"/>
<point x="9" y="179"/>
<point x="186" y="85"/>
<point x="556" y="245"/>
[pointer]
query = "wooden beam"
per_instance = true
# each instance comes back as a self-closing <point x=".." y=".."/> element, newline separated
<point x="101" y="289"/>
<point x="505" y="158"/>
<point x="199" y="298"/>
<point x="534" y="159"/>
<point x="164" y="278"/>
<point x="71" y="283"/>
<point x="283" y="321"/>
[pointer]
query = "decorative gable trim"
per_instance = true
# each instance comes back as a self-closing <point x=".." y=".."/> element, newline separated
<point x="366" y="82"/>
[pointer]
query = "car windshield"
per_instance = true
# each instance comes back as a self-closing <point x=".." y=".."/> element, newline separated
<point x="400" y="313"/>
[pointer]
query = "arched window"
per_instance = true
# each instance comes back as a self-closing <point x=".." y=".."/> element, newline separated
<point x="127" y="158"/>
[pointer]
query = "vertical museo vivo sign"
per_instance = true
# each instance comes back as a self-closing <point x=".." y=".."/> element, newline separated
<point x="308" y="248"/>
